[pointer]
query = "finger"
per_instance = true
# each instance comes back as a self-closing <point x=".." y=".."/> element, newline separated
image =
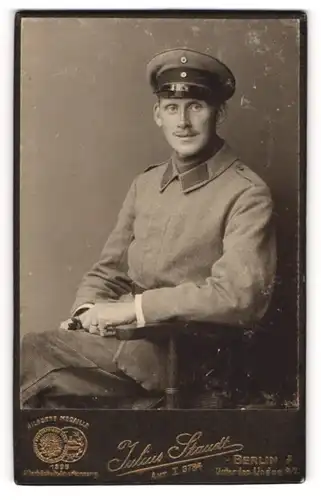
<point x="93" y="329"/>
<point x="102" y="325"/>
<point x="107" y="332"/>
<point x="65" y="325"/>
<point x="106" y="329"/>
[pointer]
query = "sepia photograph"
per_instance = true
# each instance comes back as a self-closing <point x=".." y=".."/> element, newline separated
<point x="160" y="178"/>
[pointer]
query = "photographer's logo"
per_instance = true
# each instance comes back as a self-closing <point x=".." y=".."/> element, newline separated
<point x="54" y="444"/>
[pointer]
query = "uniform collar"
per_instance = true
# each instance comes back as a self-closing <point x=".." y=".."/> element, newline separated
<point x="201" y="174"/>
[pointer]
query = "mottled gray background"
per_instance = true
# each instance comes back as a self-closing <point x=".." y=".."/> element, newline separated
<point x="87" y="130"/>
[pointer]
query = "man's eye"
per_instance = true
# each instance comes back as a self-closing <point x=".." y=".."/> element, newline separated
<point x="171" y="108"/>
<point x="196" y="106"/>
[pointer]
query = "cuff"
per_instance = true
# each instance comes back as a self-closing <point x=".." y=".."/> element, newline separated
<point x="81" y="309"/>
<point x="139" y="311"/>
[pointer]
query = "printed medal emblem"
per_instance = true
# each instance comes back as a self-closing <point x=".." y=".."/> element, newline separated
<point x="76" y="445"/>
<point x="53" y="445"/>
<point x="49" y="444"/>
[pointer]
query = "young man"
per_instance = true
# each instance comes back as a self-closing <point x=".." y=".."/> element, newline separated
<point x="193" y="241"/>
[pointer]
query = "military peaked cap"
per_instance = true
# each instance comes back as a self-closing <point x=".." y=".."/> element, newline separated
<point x="184" y="72"/>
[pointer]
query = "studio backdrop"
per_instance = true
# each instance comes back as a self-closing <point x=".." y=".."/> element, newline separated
<point x="87" y="130"/>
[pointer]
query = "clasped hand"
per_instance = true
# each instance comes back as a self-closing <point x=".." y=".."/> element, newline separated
<point x="106" y="314"/>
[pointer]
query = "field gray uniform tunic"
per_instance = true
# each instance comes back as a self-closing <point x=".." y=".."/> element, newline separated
<point x="199" y="245"/>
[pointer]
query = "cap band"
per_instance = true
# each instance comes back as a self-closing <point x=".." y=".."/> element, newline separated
<point x="185" y="90"/>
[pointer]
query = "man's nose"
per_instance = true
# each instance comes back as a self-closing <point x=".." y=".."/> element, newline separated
<point x="183" y="117"/>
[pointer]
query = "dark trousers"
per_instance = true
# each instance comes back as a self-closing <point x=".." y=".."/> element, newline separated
<point x="73" y="366"/>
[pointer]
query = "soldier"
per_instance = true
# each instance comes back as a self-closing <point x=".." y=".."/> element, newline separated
<point x="194" y="240"/>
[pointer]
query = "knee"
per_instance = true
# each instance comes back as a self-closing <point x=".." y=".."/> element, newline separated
<point x="34" y="340"/>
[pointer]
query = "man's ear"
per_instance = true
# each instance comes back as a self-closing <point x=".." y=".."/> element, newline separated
<point x="157" y="117"/>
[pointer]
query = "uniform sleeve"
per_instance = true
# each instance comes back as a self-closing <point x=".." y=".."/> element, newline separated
<point x="239" y="288"/>
<point x="108" y="278"/>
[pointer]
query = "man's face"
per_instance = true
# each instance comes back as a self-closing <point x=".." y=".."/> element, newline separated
<point x="188" y="124"/>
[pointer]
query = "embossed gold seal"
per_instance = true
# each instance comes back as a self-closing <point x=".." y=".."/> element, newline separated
<point x="49" y="444"/>
<point x="54" y="444"/>
<point x="76" y="445"/>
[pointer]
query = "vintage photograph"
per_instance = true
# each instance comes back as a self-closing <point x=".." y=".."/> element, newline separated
<point x="159" y="212"/>
<point x="160" y="247"/>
